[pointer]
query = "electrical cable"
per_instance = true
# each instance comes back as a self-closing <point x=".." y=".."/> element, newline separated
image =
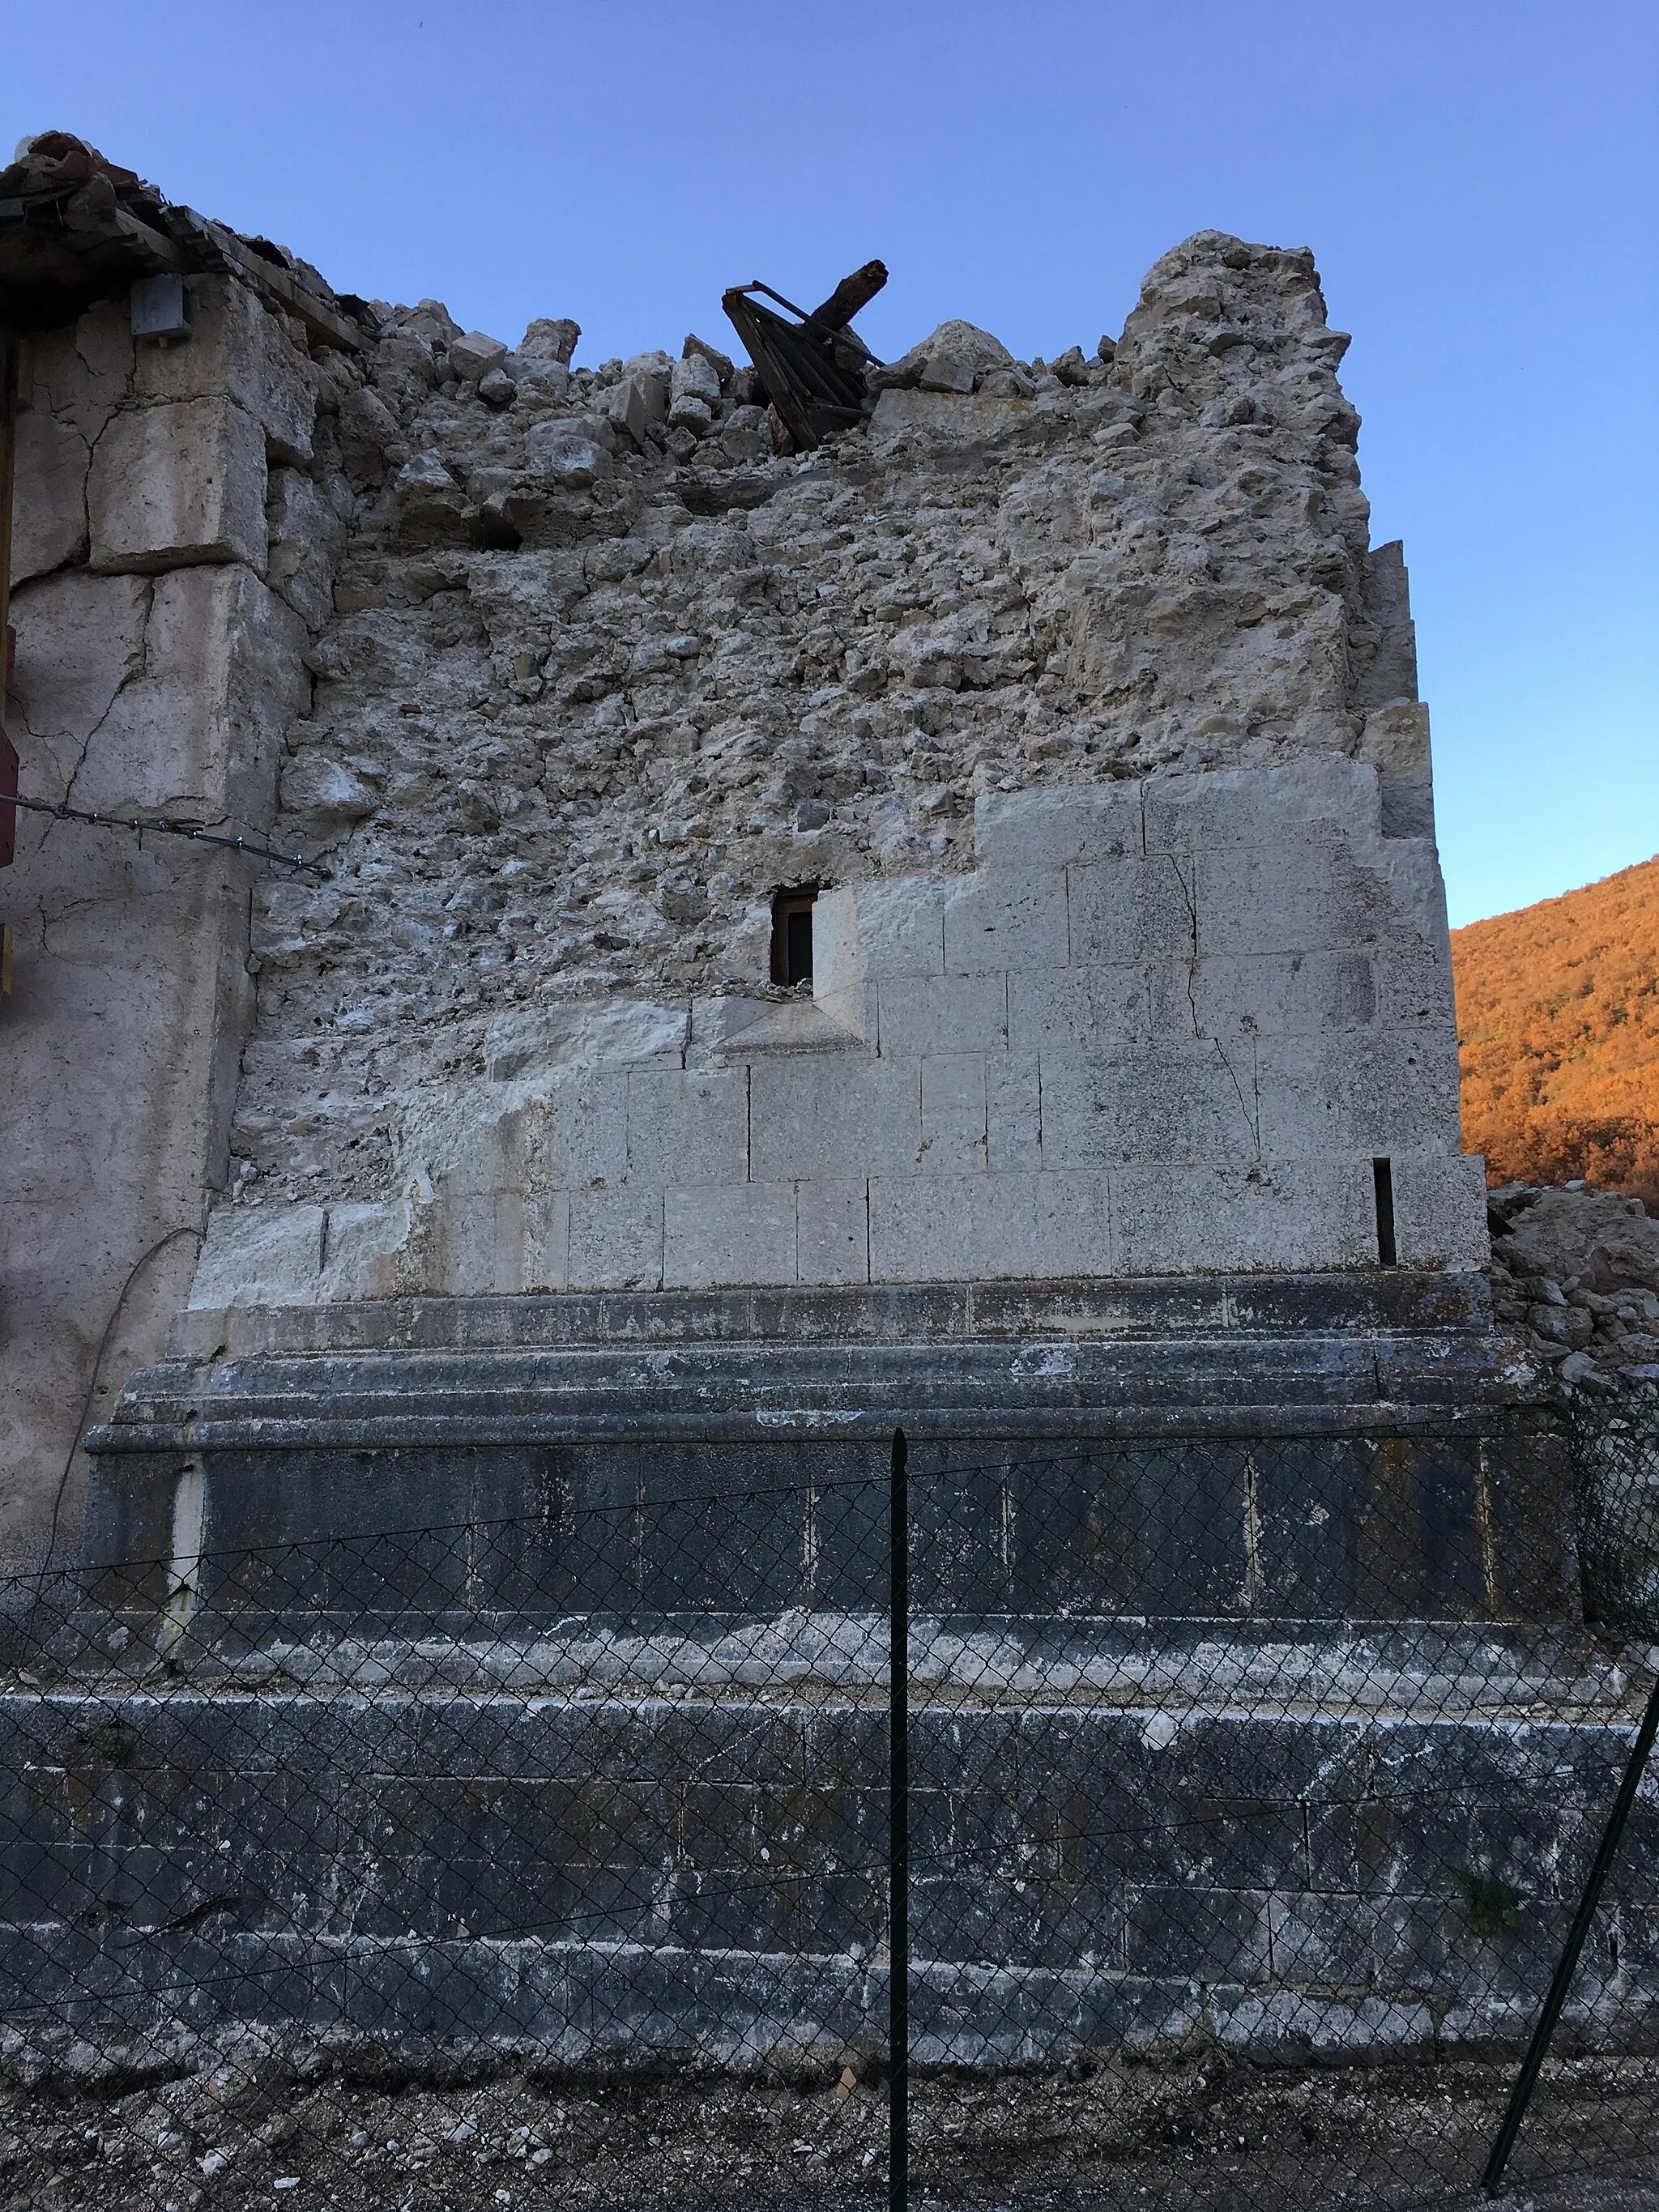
<point x="162" y="826"/>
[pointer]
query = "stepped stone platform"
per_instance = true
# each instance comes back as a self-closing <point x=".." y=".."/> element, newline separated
<point x="506" y="1679"/>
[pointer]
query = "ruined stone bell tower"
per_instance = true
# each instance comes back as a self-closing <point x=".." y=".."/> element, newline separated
<point x="940" y="928"/>
<point x="947" y="922"/>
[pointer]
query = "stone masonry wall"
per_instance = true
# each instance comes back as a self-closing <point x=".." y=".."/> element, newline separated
<point x="161" y="635"/>
<point x="604" y="672"/>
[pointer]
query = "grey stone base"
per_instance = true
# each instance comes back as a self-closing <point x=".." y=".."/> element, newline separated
<point x="573" y="1878"/>
<point x="1289" y="1446"/>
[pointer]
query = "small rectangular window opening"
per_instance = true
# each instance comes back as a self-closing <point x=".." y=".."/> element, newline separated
<point x="1382" y="1178"/>
<point x="792" y="936"/>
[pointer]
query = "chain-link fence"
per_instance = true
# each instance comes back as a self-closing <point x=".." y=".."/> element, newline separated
<point x="1190" y="1822"/>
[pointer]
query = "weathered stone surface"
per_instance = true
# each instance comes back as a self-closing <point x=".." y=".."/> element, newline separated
<point x="237" y="349"/>
<point x="176" y="484"/>
<point x="49" y="516"/>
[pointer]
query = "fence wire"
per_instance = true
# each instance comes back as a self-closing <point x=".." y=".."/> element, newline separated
<point x="1247" y="1791"/>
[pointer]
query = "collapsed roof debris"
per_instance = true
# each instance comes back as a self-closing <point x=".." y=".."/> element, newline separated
<point x="74" y="228"/>
<point x="814" y="370"/>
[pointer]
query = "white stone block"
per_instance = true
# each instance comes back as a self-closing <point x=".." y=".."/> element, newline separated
<point x="731" y="1029"/>
<point x="739" y="1233"/>
<point x="1312" y="801"/>
<point x="842" y="1117"/>
<point x="1121" y="911"/>
<point x="1273" y="995"/>
<point x="1301" y="898"/>
<point x="177" y="483"/>
<point x="307" y="538"/>
<point x="199" y="730"/>
<point x="1440" y="1212"/>
<point x="584" y="1141"/>
<point x="1379" y="1094"/>
<point x="1005" y="919"/>
<point x="237" y="349"/>
<point x="80" y="639"/>
<point x="1414" y="985"/>
<point x="1054" y="829"/>
<point x="482" y="1234"/>
<point x="945" y="1013"/>
<point x="1013" y="1111"/>
<point x="953" y="1113"/>
<point x="266" y="1256"/>
<point x="1409" y="868"/>
<point x="361" y="1246"/>
<point x="616" y="1239"/>
<point x="587" y="1033"/>
<point x="949" y="1227"/>
<point x="687" y="1129"/>
<point x="894" y="926"/>
<point x="1269" y="1215"/>
<point x="49" y="512"/>
<point x="1175" y="1102"/>
<point x="1395" y="740"/>
<point x="1080" y="1010"/>
<point x="832" y="1231"/>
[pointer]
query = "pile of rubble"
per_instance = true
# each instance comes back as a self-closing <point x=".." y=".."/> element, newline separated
<point x="1575" y="1272"/>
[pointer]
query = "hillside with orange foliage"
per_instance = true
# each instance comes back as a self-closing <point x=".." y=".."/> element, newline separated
<point x="1557" y="1026"/>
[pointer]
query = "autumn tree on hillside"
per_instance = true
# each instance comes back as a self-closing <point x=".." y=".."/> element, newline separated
<point x="1558" y="1022"/>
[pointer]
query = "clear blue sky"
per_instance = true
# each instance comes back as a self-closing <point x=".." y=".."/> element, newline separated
<point x="1477" y="177"/>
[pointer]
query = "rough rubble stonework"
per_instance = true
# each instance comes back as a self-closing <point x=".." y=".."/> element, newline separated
<point x="1575" y="1273"/>
<point x="602" y="672"/>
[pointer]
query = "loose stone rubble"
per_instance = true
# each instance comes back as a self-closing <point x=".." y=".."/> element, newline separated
<point x="1577" y="1272"/>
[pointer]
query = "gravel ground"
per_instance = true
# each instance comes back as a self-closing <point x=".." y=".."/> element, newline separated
<point x="1195" y="2130"/>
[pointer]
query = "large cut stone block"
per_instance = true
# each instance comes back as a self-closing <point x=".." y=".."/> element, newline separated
<point x="687" y="1129"/>
<point x="616" y="1239"/>
<point x="1440" y="1212"/>
<point x="237" y="349"/>
<point x="1392" y="1093"/>
<point x="1124" y="910"/>
<point x="49" y="513"/>
<point x="175" y="484"/>
<point x="832" y="1231"/>
<point x="1013" y="1110"/>
<point x="80" y="641"/>
<point x="1308" y="899"/>
<point x="199" y="730"/>
<point x="843" y="1117"/>
<point x="1077" y="1011"/>
<point x="891" y="928"/>
<point x="260" y="1257"/>
<point x="1318" y="800"/>
<point x="953" y="1113"/>
<point x="1267" y="1214"/>
<point x="585" y="1145"/>
<point x="1193" y="1102"/>
<point x="1005" y="918"/>
<point x="1275" y="994"/>
<point x="1054" y="829"/>
<point x="741" y="1233"/>
<point x="944" y="1013"/>
<point x="989" y="1226"/>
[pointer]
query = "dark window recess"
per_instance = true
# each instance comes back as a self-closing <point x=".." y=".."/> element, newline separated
<point x="1382" y="1178"/>
<point x="791" y="937"/>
